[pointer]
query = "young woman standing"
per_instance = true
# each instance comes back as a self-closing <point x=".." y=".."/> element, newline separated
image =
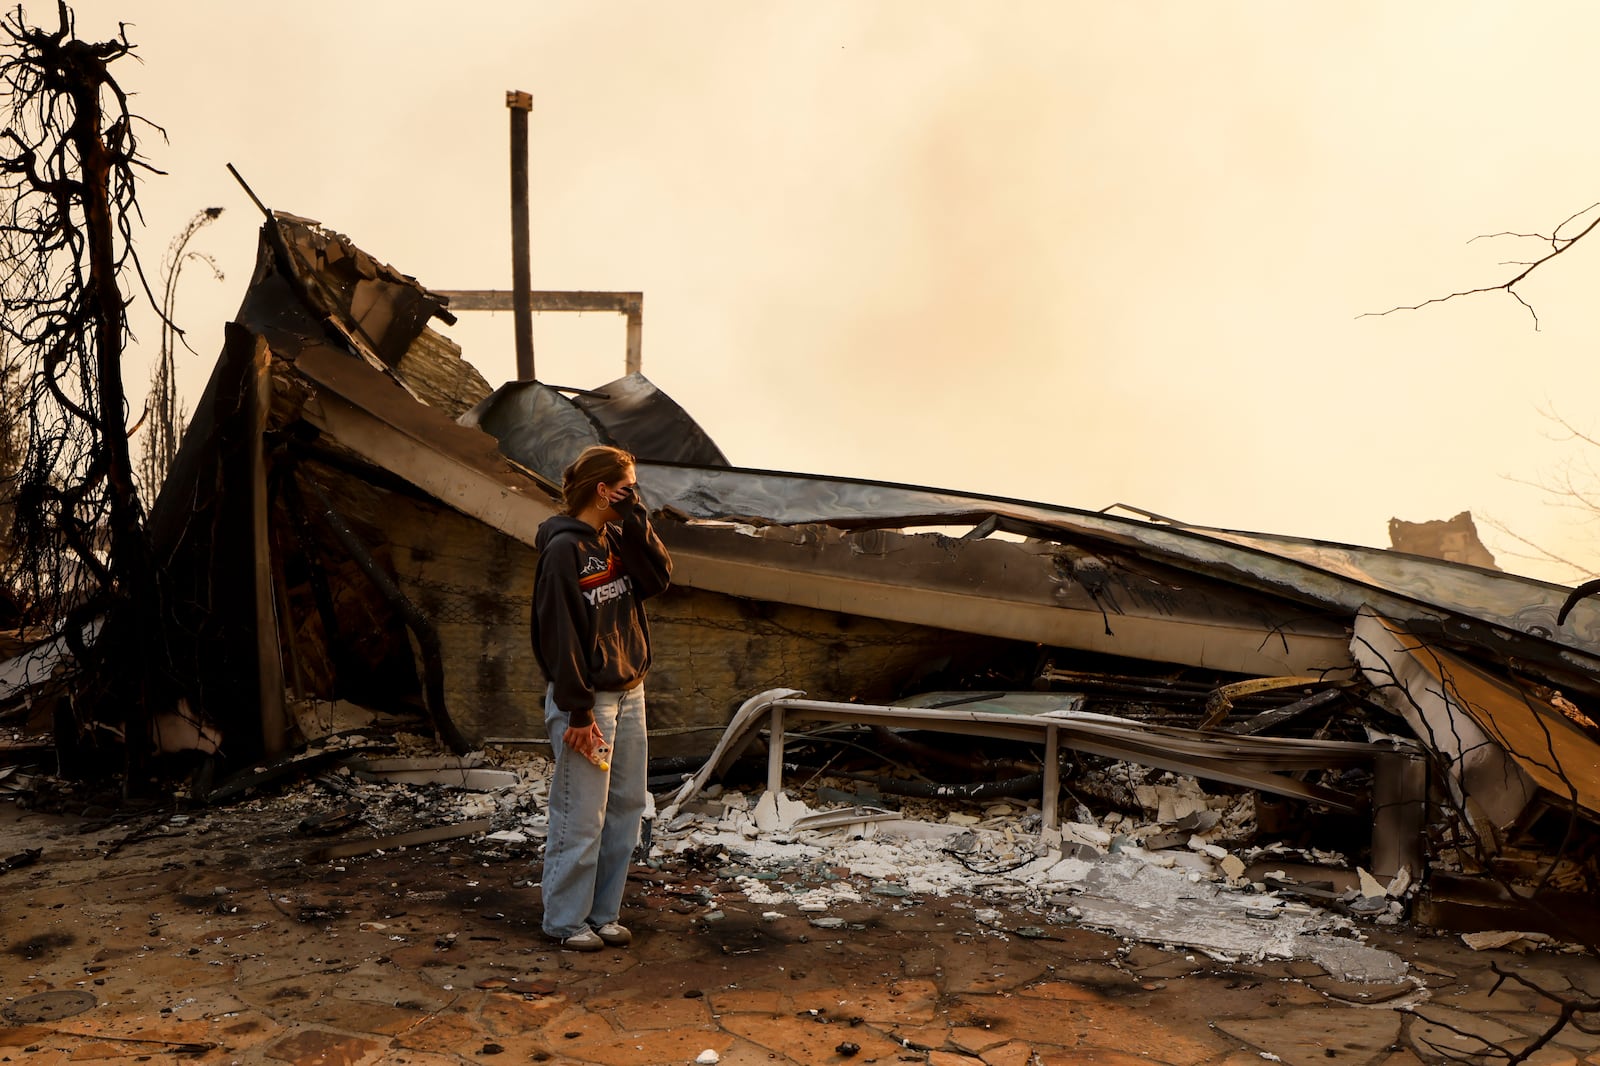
<point x="598" y="563"/>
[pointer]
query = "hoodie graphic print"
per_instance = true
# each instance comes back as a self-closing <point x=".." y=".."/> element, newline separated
<point x="602" y="580"/>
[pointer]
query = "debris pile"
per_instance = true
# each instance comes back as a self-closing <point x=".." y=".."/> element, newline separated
<point x="349" y="525"/>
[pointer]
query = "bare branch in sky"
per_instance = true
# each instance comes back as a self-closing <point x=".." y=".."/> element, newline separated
<point x="1558" y="241"/>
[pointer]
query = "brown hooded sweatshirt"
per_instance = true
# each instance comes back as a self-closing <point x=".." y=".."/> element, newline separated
<point x="589" y="628"/>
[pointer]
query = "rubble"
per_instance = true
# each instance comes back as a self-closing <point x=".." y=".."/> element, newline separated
<point x="758" y="932"/>
<point x="845" y="853"/>
<point x="1249" y="745"/>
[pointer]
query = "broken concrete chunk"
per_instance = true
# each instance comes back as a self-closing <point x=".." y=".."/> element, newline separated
<point x="775" y="811"/>
<point x="507" y="836"/>
<point x="1162" y="841"/>
<point x="1172" y="803"/>
<point x="447" y="772"/>
<point x="1495" y="939"/>
<point x="1091" y="835"/>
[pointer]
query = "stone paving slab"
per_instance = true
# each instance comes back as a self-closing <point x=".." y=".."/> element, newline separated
<point x="1014" y="1053"/>
<point x="1308" y="1036"/>
<point x="322" y="1047"/>
<point x="808" y="1040"/>
<point x="1096" y="1056"/>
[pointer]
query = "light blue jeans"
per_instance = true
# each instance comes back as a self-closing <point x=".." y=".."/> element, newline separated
<point x="594" y="815"/>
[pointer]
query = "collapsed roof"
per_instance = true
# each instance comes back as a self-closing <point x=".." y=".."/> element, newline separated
<point x="352" y="512"/>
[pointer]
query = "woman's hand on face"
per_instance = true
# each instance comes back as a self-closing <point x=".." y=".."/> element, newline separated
<point x="620" y="498"/>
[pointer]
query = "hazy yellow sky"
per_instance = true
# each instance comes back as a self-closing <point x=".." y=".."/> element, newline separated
<point x="1082" y="253"/>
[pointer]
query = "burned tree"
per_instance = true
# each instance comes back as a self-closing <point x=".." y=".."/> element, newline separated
<point x="12" y="444"/>
<point x="164" y="416"/>
<point x="69" y="157"/>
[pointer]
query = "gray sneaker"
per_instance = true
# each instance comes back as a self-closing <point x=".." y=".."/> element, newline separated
<point x="615" y="935"/>
<point x="585" y="940"/>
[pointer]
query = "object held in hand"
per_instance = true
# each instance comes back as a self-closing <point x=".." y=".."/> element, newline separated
<point x="601" y="756"/>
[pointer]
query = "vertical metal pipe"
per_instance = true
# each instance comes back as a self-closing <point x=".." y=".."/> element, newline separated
<point x="520" y="104"/>
<point x="633" y="359"/>
<point x="1050" y="802"/>
<point x="775" y="751"/>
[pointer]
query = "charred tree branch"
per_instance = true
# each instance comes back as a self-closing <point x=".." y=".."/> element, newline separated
<point x="1559" y="244"/>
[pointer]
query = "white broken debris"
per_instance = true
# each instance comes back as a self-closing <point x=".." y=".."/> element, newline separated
<point x="775" y="810"/>
<point x="1098" y="875"/>
<point x="451" y="771"/>
<point x="1106" y="881"/>
<point x="507" y="836"/>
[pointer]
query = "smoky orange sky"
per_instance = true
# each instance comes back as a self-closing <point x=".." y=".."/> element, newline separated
<point x="1081" y="253"/>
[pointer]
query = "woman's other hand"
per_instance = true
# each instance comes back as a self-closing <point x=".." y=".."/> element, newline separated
<point x="585" y="740"/>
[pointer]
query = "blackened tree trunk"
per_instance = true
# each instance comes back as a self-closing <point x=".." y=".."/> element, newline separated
<point x="68" y="159"/>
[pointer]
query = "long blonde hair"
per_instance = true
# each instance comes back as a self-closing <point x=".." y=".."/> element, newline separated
<point x="598" y="463"/>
